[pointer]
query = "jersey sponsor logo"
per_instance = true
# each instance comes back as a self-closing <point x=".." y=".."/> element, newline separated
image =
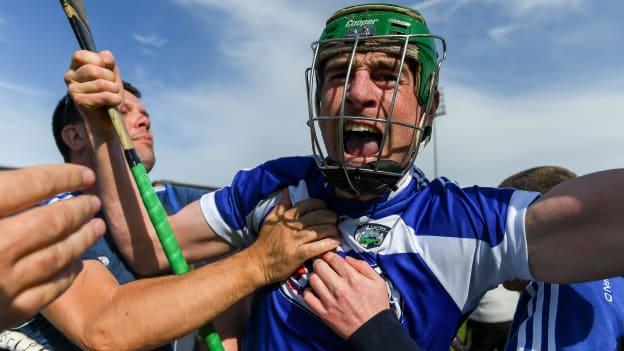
<point x="371" y="235"/>
<point x="606" y="288"/>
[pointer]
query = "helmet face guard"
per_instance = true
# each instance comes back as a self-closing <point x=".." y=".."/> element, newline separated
<point x="396" y="31"/>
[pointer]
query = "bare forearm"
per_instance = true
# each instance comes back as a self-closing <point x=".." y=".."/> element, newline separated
<point x="578" y="227"/>
<point x="152" y="312"/>
<point x="126" y="217"/>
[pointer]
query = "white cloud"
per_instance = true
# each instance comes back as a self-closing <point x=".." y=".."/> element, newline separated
<point x="204" y="134"/>
<point x="21" y="89"/>
<point x="427" y="4"/>
<point x="253" y="116"/>
<point x="485" y="137"/>
<point x="542" y="8"/>
<point x="152" y="40"/>
<point x="500" y="34"/>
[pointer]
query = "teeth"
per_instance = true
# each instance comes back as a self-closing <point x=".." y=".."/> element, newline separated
<point x="352" y="127"/>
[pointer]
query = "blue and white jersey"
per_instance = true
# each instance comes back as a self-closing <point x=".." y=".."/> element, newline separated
<point x="583" y="316"/>
<point x="439" y="247"/>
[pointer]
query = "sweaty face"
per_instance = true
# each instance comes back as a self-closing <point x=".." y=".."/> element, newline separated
<point x="138" y="125"/>
<point x="369" y="94"/>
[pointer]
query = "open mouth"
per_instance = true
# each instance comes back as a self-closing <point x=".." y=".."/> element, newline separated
<point x="361" y="140"/>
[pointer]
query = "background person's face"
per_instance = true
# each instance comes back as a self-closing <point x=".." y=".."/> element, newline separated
<point x="138" y="124"/>
<point x="369" y="94"/>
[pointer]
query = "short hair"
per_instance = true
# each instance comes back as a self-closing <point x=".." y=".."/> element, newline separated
<point x="540" y="179"/>
<point x="66" y="113"/>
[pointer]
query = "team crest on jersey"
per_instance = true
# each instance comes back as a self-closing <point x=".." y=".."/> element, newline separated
<point x="371" y="235"/>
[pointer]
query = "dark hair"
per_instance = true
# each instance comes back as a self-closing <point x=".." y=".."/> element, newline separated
<point x="540" y="179"/>
<point x="66" y="113"/>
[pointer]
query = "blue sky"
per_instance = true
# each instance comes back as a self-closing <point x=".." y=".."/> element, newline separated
<point x="526" y="83"/>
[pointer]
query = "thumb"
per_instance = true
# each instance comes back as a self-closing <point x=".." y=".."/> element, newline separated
<point x="285" y="199"/>
<point x="282" y="204"/>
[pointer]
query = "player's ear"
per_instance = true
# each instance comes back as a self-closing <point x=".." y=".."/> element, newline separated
<point x="75" y="137"/>
<point x="435" y="103"/>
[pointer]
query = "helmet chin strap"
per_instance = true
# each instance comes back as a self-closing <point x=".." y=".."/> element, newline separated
<point x="373" y="178"/>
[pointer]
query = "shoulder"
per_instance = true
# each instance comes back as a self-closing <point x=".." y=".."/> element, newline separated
<point x="288" y="168"/>
<point x="443" y="208"/>
<point x="259" y="182"/>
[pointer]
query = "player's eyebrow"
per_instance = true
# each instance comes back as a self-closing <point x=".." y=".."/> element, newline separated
<point x="387" y="63"/>
<point x="390" y="64"/>
<point x="336" y="64"/>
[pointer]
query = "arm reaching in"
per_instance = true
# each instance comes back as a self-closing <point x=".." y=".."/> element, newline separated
<point x="96" y="311"/>
<point x="578" y="227"/>
<point x="352" y="299"/>
<point x="93" y="82"/>
<point x="40" y="246"/>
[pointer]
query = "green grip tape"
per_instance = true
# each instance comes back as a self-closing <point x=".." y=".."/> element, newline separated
<point x="158" y="216"/>
<point x="159" y="219"/>
<point x="211" y="338"/>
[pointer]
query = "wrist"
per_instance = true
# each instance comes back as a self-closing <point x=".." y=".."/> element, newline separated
<point x="99" y="123"/>
<point x="255" y="268"/>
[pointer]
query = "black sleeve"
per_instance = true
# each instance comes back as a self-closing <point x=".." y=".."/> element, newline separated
<point x="382" y="332"/>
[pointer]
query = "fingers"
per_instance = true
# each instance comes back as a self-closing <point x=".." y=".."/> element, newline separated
<point x="326" y="274"/>
<point x="314" y="302"/>
<point x="93" y="86"/>
<point x="318" y="217"/>
<point x="282" y="205"/>
<point x="26" y="187"/>
<point x="337" y="264"/>
<point x="303" y="207"/>
<point x="93" y="80"/>
<point x="317" y="248"/>
<point x="363" y="268"/>
<point x="318" y="232"/>
<point x="104" y="59"/>
<point x="44" y="225"/>
<point x="320" y="291"/>
<point x="43" y="264"/>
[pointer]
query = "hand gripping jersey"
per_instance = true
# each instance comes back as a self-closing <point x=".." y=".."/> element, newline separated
<point x="105" y="251"/>
<point x="438" y="246"/>
<point x="583" y="316"/>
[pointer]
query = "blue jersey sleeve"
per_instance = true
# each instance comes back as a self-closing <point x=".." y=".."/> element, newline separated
<point x="175" y="197"/>
<point x="237" y="211"/>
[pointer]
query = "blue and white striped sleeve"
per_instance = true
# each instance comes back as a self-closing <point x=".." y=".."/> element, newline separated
<point x="236" y="212"/>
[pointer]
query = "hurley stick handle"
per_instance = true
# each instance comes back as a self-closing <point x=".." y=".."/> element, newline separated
<point x="158" y="216"/>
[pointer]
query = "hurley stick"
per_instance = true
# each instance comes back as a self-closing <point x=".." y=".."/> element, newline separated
<point x="74" y="10"/>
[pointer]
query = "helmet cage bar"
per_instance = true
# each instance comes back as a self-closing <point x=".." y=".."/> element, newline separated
<point x="391" y="110"/>
<point x="342" y="161"/>
<point x="314" y="85"/>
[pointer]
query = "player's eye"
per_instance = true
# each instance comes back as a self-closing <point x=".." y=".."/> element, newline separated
<point x="386" y="79"/>
<point x="337" y="76"/>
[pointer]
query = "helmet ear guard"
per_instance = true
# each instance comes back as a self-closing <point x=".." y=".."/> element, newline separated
<point x="396" y="31"/>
